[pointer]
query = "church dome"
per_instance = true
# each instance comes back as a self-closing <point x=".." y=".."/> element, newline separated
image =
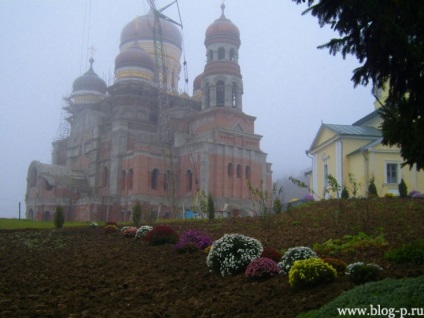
<point x="89" y="81"/>
<point x="140" y="29"/>
<point x="197" y="82"/>
<point x="135" y="56"/>
<point x="222" y="30"/>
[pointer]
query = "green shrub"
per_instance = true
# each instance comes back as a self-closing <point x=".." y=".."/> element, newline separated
<point x="137" y="214"/>
<point x="277" y="206"/>
<point x="345" y="193"/>
<point x="360" y="273"/>
<point x="110" y="228"/>
<point x="232" y="253"/>
<point x="311" y="272"/>
<point x="372" y="189"/>
<point x="403" y="189"/>
<point x="59" y="217"/>
<point x="338" y="264"/>
<point x="408" y="253"/>
<point x="295" y="254"/>
<point x="161" y="234"/>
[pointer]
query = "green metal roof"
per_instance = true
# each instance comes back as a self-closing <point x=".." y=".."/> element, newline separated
<point x="354" y="130"/>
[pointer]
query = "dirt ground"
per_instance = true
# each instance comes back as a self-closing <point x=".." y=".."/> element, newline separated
<point x="83" y="272"/>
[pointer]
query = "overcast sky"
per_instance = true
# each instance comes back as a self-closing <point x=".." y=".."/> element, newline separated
<point x="289" y="85"/>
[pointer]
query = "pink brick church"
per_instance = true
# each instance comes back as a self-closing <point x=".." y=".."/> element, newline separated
<point x="114" y="153"/>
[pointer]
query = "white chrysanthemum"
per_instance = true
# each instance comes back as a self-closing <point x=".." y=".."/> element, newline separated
<point x="232" y="253"/>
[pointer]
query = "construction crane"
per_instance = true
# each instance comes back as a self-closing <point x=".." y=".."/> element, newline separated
<point x="161" y="82"/>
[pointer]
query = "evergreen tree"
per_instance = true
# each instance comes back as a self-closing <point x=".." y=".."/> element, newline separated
<point x="372" y="189"/>
<point x="211" y="207"/>
<point x="59" y="217"/>
<point x="137" y="214"/>
<point x="345" y="193"/>
<point x="387" y="38"/>
<point x="403" y="189"/>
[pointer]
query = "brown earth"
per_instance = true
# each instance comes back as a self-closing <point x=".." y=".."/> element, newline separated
<point x="83" y="272"/>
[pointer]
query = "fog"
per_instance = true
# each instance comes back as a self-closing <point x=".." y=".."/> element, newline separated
<point x="289" y="84"/>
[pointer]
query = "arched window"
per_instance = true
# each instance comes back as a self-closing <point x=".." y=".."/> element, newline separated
<point x="232" y="55"/>
<point x="247" y="172"/>
<point x="46" y="216"/>
<point x="155" y="177"/>
<point x="230" y="169"/>
<point x="210" y="55"/>
<point x="221" y="53"/>
<point x="220" y="93"/>
<point x="189" y="176"/>
<point x="33" y="177"/>
<point x="123" y="180"/>
<point x="105" y="176"/>
<point x="208" y="96"/>
<point x="30" y="215"/>
<point x="130" y="178"/>
<point x="239" y="171"/>
<point x="234" y="101"/>
<point x="47" y="185"/>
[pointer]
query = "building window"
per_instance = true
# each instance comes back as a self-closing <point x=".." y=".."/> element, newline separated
<point x="105" y="176"/>
<point x="210" y="55"/>
<point x="239" y="171"/>
<point x="208" y="96"/>
<point x="247" y="173"/>
<point x="123" y="180"/>
<point x="155" y="177"/>
<point x="33" y="177"/>
<point x="234" y="101"/>
<point x="230" y="169"/>
<point x="392" y="172"/>
<point x="189" y="175"/>
<point x="47" y="185"/>
<point x="220" y="93"/>
<point x="232" y="55"/>
<point x="221" y="53"/>
<point x="130" y="178"/>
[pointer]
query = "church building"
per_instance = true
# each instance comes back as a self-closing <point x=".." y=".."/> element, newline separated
<point x="140" y="140"/>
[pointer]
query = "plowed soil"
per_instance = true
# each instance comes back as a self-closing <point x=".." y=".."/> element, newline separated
<point x="83" y="272"/>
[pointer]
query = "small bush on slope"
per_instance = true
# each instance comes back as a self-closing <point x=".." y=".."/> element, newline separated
<point x="388" y="293"/>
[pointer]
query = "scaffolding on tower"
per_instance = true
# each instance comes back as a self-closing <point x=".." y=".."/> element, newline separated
<point x="161" y="82"/>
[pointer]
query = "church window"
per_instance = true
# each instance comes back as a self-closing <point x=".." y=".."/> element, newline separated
<point x="155" y="177"/>
<point x="232" y="55"/>
<point x="123" y="180"/>
<point x="210" y="55"/>
<point x="230" y="169"/>
<point x="130" y="178"/>
<point x="208" y="96"/>
<point x="105" y="177"/>
<point x="239" y="171"/>
<point x="220" y="93"/>
<point x="47" y="185"/>
<point x="221" y="53"/>
<point x="189" y="176"/>
<point x="247" y="172"/>
<point x="47" y="216"/>
<point x="234" y="101"/>
<point x="33" y="177"/>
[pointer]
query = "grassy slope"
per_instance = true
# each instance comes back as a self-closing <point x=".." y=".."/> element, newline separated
<point x="389" y="294"/>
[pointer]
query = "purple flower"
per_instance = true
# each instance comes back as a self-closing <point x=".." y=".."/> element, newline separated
<point x="192" y="240"/>
<point x="261" y="268"/>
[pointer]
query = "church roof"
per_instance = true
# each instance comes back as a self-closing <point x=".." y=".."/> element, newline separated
<point x="354" y="130"/>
